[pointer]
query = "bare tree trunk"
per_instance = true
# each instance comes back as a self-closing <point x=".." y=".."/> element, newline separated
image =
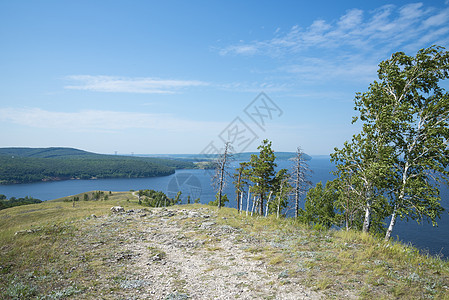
<point x="237" y="194"/>
<point x="297" y="201"/>
<point x="400" y="199"/>
<point x="221" y="185"/>
<point x="278" y="209"/>
<point x="241" y="201"/>
<point x="367" y="220"/>
<point x="247" y="201"/>
<point x="268" y="202"/>
<point x="300" y="173"/>
<point x="220" y="172"/>
<point x="390" y="227"/>
<point x="254" y="204"/>
<point x="347" y="211"/>
<point x="279" y="202"/>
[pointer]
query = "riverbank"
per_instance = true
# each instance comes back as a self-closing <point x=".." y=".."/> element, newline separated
<point x="55" y="250"/>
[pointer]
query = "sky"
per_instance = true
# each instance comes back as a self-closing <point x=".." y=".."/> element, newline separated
<point x="150" y="77"/>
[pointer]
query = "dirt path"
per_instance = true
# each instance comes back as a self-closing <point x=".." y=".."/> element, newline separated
<point x="187" y="254"/>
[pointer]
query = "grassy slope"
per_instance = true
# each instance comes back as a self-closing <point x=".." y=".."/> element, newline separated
<point x="44" y="258"/>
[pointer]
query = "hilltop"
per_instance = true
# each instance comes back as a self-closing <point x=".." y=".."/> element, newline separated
<point x="53" y="250"/>
<point x="22" y="165"/>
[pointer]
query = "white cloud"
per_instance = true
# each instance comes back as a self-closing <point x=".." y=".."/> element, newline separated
<point x="387" y="27"/>
<point x="351" y="19"/>
<point x="143" y="85"/>
<point x="101" y="120"/>
<point x="436" y="20"/>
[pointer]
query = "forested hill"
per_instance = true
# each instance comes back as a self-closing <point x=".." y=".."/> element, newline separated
<point x="244" y="156"/>
<point x="22" y="165"/>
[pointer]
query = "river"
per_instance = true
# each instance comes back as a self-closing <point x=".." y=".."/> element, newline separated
<point x="197" y="184"/>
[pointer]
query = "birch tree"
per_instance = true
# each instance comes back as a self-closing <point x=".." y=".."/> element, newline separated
<point x="408" y="110"/>
<point x="240" y="181"/>
<point x="282" y="191"/>
<point x="364" y="167"/>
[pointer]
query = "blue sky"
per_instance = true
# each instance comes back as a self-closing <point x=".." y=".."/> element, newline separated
<point x="184" y="76"/>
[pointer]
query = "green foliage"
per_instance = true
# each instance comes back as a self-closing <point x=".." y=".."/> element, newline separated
<point x="224" y="200"/>
<point x="154" y="198"/>
<point x="19" y="290"/>
<point x="262" y="172"/>
<point x="13" y="201"/>
<point x="319" y="205"/>
<point x="281" y="191"/>
<point x="97" y="195"/>
<point x="21" y="165"/>
<point x="404" y="138"/>
<point x="178" y="197"/>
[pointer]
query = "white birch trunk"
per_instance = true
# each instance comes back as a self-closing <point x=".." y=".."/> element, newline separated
<point x="254" y="205"/>
<point x="367" y="221"/>
<point x="390" y="227"/>
<point x="268" y="202"/>
<point x="247" y="201"/>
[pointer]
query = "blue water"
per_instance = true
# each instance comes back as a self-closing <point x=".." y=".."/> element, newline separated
<point x="197" y="184"/>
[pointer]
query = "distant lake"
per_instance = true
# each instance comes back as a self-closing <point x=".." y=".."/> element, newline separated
<point x="197" y="184"/>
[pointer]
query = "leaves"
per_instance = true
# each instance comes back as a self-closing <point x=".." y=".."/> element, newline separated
<point x="402" y="150"/>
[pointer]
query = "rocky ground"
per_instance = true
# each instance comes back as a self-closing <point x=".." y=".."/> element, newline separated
<point x="57" y="250"/>
<point x="179" y="254"/>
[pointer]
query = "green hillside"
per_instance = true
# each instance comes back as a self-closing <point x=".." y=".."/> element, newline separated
<point x="22" y="165"/>
<point x="52" y="152"/>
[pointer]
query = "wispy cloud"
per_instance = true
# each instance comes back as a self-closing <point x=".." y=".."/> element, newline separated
<point x="349" y="47"/>
<point x="140" y="85"/>
<point x="387" y="27"/>
<point x="101" y="120"/>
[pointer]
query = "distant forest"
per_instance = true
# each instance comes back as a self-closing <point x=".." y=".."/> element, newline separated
<point x="244" y="156"/>
<point x="7" y="203"/>
<point x="24" y="165"/>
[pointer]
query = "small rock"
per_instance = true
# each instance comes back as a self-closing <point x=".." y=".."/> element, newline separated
<point x="157" y="257"/>
<point x="283" y="274"/>
<point x="193" y="214"/>
<point x="26" y="231"/>
<point x="117" y="209"/>
<point x="134" y="284"/>
<point x="177" y="296"/>
<point x="206" y="225"/>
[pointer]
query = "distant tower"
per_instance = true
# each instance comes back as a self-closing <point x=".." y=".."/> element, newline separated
<point x="115" y="152"/>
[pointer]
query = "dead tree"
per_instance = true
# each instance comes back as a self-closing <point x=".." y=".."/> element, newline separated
<point x="222" y="163"/>
<point x="300" y="174"/>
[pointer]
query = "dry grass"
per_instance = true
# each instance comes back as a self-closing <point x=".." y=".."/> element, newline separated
<point x="62" y="251"/>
